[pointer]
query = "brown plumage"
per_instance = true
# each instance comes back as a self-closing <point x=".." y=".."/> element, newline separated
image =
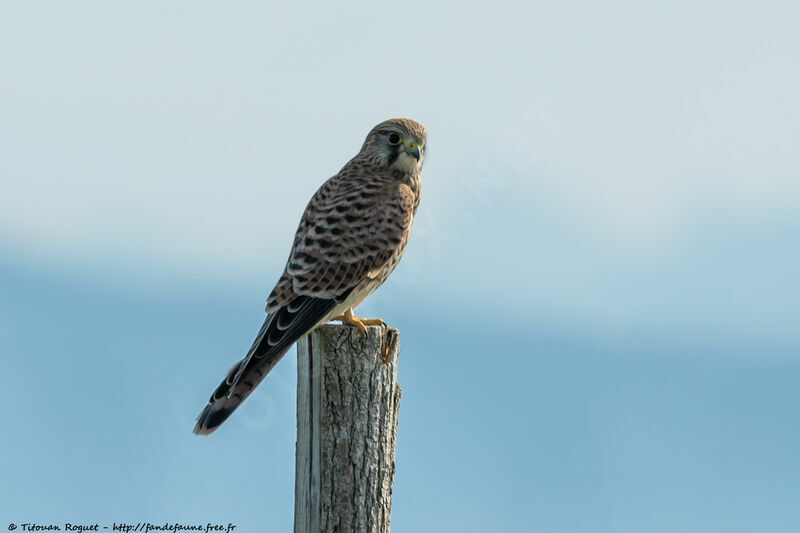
<point x="351" y="236"/>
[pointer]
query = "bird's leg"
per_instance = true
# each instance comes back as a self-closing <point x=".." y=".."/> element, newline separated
<point x="351" y="319"/>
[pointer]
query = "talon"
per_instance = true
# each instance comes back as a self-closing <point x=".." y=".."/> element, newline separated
<point x="352" y="320"/>
<point x="360" y="325"/>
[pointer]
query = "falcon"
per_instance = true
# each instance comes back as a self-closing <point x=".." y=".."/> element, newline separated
<point x="351" y="236"/>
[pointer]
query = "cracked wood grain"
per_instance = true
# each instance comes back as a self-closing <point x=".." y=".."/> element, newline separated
<point x="347" y="407"/>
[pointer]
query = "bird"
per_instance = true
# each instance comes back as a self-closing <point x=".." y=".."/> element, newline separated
<point x="351" y="236"/>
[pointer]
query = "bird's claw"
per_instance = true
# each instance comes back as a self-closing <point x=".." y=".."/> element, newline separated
<point x="373" y="322"/>
<point x="351" y="319"/>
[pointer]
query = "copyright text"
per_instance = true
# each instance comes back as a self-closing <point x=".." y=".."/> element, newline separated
<point x="122" y="527"/>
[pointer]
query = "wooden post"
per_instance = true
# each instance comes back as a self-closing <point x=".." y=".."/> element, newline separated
<point x="347" y="406"/>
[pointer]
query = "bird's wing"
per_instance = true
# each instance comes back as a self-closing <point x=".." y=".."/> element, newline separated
<point x="348" y="233"/>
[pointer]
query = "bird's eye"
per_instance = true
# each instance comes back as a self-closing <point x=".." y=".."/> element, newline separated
<point x="394" y="139"/>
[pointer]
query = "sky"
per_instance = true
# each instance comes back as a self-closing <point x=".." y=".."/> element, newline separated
<point x="598" y="307"/>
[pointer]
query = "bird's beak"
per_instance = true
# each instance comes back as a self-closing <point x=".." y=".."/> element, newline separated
<point x="413" y="151"/>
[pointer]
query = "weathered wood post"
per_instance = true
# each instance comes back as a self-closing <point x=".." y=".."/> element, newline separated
<point x="347" y="405"/>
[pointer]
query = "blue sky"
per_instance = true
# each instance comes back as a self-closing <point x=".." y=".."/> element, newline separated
<point x="598" y="308"/>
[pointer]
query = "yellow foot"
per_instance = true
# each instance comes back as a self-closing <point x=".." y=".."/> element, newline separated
<point x="361" y="323"/>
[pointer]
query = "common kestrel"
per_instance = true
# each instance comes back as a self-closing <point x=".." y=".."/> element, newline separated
<point x="351" y="236"/>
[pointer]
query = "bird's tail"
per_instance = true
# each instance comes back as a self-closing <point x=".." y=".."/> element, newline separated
<point x="240" y="381"/>
<point x="228" y="396"/>
<point x="280" y="330"/>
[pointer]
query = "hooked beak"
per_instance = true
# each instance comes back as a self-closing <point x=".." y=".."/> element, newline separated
<point x="414" y="152"/>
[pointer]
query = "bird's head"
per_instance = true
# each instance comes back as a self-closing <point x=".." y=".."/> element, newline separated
<point x="398" y="143"/>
